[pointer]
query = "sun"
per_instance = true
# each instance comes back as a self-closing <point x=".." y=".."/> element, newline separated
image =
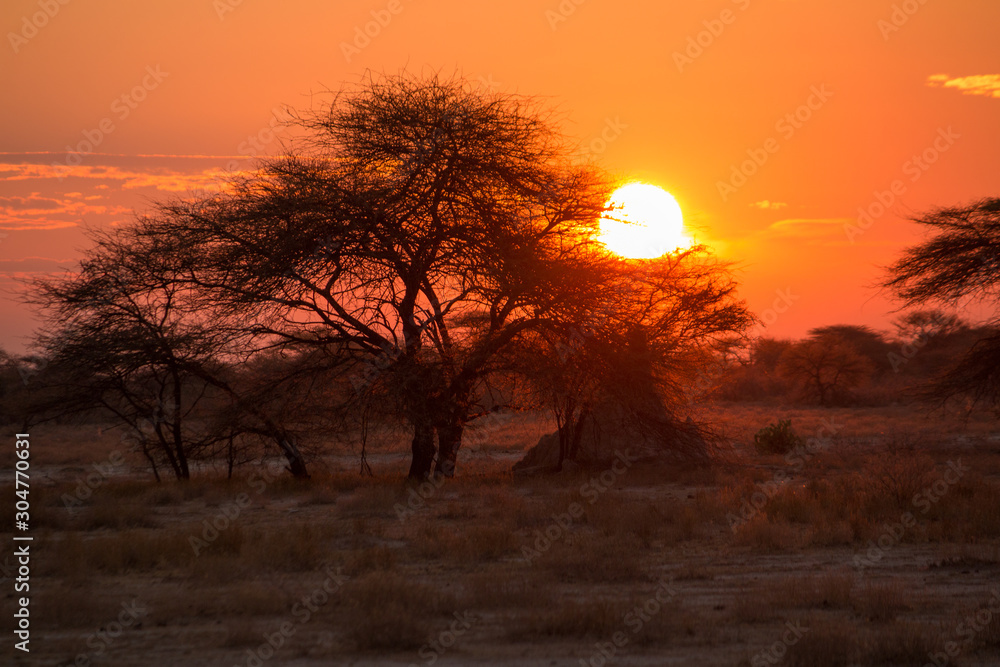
<point x="645" y="222"/>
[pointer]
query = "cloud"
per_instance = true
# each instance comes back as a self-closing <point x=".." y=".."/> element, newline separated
<point x="34" y="201"/>
<point x="33" y="265"/>
<point x="806" y="228"/>
<point x="73" y="204"/>
<point x="987" y="85"/>
<point x="34" y="211"/>
<point x="791" y="235"/>
<point x="42" y="194"/>
<point x="164" y="180"/>
<point x="12" y="224"/>
<point x="211" y="181"/>
<point x="767" y="205"/>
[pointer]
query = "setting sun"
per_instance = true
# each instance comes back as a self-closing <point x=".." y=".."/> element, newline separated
<point x="645" y="222"/>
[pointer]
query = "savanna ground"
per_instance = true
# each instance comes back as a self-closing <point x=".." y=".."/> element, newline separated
<point x="641" y="565"/>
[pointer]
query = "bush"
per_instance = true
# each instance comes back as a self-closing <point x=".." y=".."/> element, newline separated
<point x="776" y="438"/>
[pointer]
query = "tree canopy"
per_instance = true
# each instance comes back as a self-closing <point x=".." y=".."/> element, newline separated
<point x="414" y="239"/>
<point x="960" y="260"/>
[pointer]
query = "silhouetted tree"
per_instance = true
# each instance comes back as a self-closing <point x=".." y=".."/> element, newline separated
<point x="637" y="345"/>
<point x="418" y="228"/>
<point x="767" y="353"/>
<point x="918" y="325"/>
<point x="114" y="341"/>
<point x="867" y="342"/>
<point x="758" y="376"/>
<point x="960" y="260"/>
<point x="121" y="338"/>
<point x="825" y="367"/>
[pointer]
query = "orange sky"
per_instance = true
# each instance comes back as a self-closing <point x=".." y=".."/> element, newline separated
<point x="173" y="92"/>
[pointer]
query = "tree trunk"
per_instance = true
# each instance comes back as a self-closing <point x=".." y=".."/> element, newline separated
<point x="449" y="442"/>
<point x="296" y="463"/>
<point x="149" y="456"/>
<point x="168" y="450"/>
<point x="423" y="450"/>
<point x="571" y="433"/>
<point x="564" y="420"/>
<point x="574" y="445"/>
<point x="183" y="471"/>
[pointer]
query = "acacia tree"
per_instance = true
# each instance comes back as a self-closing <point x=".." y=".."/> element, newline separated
<point x="921" y="325"/>
<point x="421" y="224"/>
<point x="115" y="343"/>
<point x="636" y="345"/>
<point x="824" y="366"/>
<point x="960" y="260"/>
<point x="122" y="339"/>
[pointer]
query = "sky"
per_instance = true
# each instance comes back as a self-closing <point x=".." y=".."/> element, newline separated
<point x="798" y="136"/>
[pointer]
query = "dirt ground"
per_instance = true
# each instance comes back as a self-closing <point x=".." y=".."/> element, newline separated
<point x="876" y="543"/>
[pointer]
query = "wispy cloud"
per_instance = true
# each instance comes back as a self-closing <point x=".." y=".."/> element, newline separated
<point x="26" y="266"/>
<point x="41" y="192"/>
<point x="768" y="205"/>
<point x="18" y="224"/>
<point x="165" y="180"/>
<point x="987" y="85"/>
<point x="805" y="227"/>
<point x="36" y="211"/>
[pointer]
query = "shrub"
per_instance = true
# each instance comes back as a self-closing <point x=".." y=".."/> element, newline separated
<point x="776" y="438"/>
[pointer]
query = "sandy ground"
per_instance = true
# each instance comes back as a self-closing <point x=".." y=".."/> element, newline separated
<point x="712" y="595"/>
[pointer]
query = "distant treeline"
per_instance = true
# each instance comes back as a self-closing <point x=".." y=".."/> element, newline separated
<point x="847" y="365"/>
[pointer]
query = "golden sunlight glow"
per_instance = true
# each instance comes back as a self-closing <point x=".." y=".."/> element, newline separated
<point x="645" y="222"/>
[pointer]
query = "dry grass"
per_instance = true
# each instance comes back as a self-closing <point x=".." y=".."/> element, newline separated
<point x="576" y="619"/>
<point x="295" y="548"/>
<point x="898" y="643"/>
<point x="644" y="521"/>
<point x="643" y="620"/>
<point x="78" y="607"/>
<point x="853" y="505"/>
<point x="885" y="485"/>
<point x="506" y="589"/>
<point x="242" y="633"/>
<point x="594" y="558"/>
<point x="752" y="605"/>
<point x="773" y="599"/>
<point x="116" y="553"/>
<point x="114" y="516"/>
<point x="477" y="543"/>
<point x="369" y="559"/>
<point x="764" y="534"/>
<point x="828" y="643"/>
<point x="392" y="612"/>
<point x="374" y="499"/>
<point x="881" y="601"/>
<point x="835" y="642"/>
<point x="191" y="604"/>
<point x="463" y="553"/>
